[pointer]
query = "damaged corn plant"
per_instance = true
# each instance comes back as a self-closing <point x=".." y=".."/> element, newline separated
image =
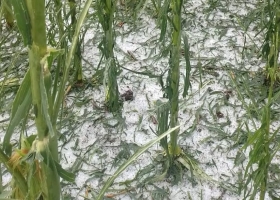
<point x="34" y="163"/>
<point x="171" y="33"/>
<point x="261" y="141"/>
<point x="105" y="11"/>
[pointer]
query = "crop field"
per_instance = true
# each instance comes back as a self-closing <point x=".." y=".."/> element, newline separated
<point x="139" y="99"/>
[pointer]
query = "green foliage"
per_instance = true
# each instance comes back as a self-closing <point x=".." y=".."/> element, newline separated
<point x="20" y="109"/>
<point x="260" y="154"/>
<point x="105" y="13"/>
<point x="162" y="111"/>
<point x="23" y="20"/>
<point x="163" y="17"/>
<point x="260" y="141"/>
<point x="187" y="83"/>
<point x="271" y="41"/>
<point x="172" y="88"/>
<point x="112" y="100"/>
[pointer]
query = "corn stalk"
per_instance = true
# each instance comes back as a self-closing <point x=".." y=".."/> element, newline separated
<point x="174" y="72"/>
<point x="105" y="11"/>
<point x="39" y="73"/>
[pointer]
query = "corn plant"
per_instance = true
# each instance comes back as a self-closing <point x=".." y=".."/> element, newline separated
<point x="174" y="71"/>
<point x="172" y="88"/>
<point x="170" y="11"/>
<point x="260" y="153"/>
<point x="38" y="78"/>
<point x="105" y="12"/>
<point x="34" y="165"/>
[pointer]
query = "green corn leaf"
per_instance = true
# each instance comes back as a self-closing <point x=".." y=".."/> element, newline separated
<point x="253" y="137"/>
<point x="163" y="17"/>
<point x="20" y="108"/>
<point x="188" y="66"/>
<point x="45" y="104"/>
<point x="131" y="160"/>
<point x="23" y="20"/>
<point x="22" y="91"/>
<point x="66" y="175"/>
